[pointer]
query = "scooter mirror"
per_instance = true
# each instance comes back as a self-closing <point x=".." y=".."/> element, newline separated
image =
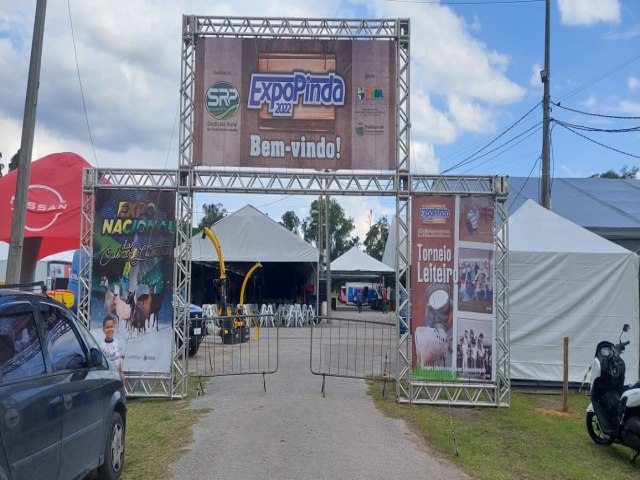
<point x="626" y="327"/>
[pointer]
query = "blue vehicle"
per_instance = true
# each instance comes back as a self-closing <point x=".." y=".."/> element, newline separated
<point x="62" y="403"/>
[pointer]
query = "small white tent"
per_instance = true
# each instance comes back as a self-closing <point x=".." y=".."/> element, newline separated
<point x="566" y="281"/>
<point x="357" y="262"/>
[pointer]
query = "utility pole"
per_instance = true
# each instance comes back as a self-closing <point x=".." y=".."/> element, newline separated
<point x="545" y="76"/>
<point x="16" y="245"/>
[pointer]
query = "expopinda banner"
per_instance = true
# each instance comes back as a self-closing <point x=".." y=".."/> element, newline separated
<point x="452" y="283"/>
<point x="132" y="274"/>
<point x="303" y="103"/>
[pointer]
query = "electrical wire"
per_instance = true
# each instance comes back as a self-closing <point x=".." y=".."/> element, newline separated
<point x="525" y="182"/>
<point x="84" y="105"/>
<point x="537" y="128"/>
<point x="595" y="141"/>
<point x="586" y="128"/>
<point x="471" y="157"/>
<point x="619" y="117"/>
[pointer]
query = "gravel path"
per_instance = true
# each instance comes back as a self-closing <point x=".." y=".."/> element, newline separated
<point x="292" y="432"/>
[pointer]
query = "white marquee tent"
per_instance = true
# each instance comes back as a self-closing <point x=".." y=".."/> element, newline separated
<point x="248" y="235"/>
<point x="566" y="281"/>
<point x="357" y="262"/>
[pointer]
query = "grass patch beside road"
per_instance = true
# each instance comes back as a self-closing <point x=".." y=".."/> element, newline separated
<point x="159" y="432"/>
<point x="530" y="440"/>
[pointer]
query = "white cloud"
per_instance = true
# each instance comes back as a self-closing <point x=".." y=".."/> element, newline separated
<point x="423" y="159"/>
<point x="469" y="116"/>
<point x="588" y="12"/>
<point x="534" y="79"/>
<point x="590" y="102"/>
<point x="634" y="84"/>
<point x="627" y="107"/>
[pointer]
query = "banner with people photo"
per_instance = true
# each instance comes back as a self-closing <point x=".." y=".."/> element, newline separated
<point x="452" y="283"/>
<point x="132" y="276"/>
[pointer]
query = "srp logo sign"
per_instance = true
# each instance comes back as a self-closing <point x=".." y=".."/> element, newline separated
<point x="222" y="100"/>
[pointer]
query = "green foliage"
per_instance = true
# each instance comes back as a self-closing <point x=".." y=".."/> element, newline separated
<point x="625" y="172"/>
<point x="15" y="160"/>
<point x="212" y="213"/>
<point x="376" y="238"/>
<point x="340" y="227"/>
<point x="290" y="221"/>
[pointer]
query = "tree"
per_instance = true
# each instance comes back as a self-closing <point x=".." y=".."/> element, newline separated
<point x="212" y="213"/>
<point x="340" y="227"/>
<point x="13" y="164"/>
<point x="290" y="221"/>
<point x="376" y="238"/>
<point x="625" y="172"/>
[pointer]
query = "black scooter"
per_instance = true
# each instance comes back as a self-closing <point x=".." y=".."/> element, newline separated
<point x="614" y="412"/>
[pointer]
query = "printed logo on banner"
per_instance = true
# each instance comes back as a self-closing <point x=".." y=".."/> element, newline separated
<point x="47" y="203"/>
<point x="370" y="93"/>
<point x="436" y="214"/>
<point x="223" y="100"/>
<point x="282" y="91"/>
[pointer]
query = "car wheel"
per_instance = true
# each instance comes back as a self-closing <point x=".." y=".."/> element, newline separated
<point x="194" y="349"/>
<point x="593" y="427"/>
<point x="113" y="450"/>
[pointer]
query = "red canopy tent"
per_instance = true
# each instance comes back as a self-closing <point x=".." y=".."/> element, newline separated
<point x="54" y="202"/>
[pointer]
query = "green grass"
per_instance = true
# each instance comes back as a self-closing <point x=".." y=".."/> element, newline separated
<point x="532" y="439"/>
<point x="159" y="432"/>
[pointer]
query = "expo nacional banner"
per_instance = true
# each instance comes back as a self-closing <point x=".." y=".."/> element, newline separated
<point x="452" y="281"/>
<point x="132" y="278"/>
<point x="285" y="103"/>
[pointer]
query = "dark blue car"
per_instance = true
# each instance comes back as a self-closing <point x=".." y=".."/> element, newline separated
<point x="62" y="403"/>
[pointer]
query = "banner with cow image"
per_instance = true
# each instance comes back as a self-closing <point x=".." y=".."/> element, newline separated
<point x="132" y="276"/>
<point x="452" y="282"/>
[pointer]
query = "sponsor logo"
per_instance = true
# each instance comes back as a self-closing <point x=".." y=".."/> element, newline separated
<point x="360" y="131"/>
<point x="435" y="214"/>
<point x="370" y="93"/>
<point x="45" y="204"/>
<point x="223" y="100"/>
<point x="282" y="91"/>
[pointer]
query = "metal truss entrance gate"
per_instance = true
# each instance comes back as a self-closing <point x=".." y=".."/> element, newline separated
<point x="400" y="184"/>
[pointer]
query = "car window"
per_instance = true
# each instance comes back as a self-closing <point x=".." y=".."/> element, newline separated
<point x="20" y="348"/>
<point x="63" y="342"/>
<point x="88" y="338"/>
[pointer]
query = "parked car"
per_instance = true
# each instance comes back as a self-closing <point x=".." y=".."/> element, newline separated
<point x="62" y="403"/>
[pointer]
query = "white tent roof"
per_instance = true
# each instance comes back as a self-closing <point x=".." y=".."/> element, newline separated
<point x="533" y="228"/>
<point x="248" y="235"/>
<point x="357" y="261"/>
<point x="566" y="281"/>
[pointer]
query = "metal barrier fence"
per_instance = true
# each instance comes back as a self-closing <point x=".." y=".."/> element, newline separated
<point x="353" y="348"/>
<point x="230" y="349"/>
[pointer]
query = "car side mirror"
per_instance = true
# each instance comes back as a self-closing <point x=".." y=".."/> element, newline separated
<point x="95" y="355"/>
<point x="626" y="327"/>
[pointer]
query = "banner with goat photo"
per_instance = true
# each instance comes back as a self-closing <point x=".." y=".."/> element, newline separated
<point x="132" y="276"/>
<point x="453" y="309"/>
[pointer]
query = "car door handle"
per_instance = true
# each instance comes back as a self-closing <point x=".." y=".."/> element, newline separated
<point x="68" y="401"/>
<point x="12" y="417"/>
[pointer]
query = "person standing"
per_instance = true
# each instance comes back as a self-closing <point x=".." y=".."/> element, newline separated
<point x="359" y="301"/>
<point x="109" y="345"/>
<point x="385" y="307"/>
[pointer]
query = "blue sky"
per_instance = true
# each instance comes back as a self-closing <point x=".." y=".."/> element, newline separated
<point x="474" y="72"/>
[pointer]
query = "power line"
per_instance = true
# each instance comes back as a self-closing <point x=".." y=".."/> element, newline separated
<point x="504" y="132"/>
<point x="84" y="105"/>
<point x="619" y="117"/>
<point x="587" y="128"/>
<point x="525" y="182"/>
<point x="596" y="142"/>
<point x="603" y="76"/>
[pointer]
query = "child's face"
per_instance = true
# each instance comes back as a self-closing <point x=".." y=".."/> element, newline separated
<point x="108" y="330"/>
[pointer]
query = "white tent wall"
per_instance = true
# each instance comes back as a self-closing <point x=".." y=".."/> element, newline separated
<point x="586" y="297"/>
<point x="567" y="281"/>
